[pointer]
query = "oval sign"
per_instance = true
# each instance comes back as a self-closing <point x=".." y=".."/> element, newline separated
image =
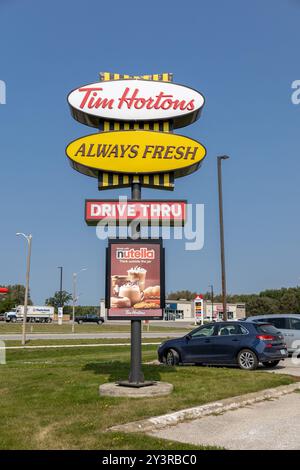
<point x="135" y="100"/>
<point x="135" y="152"/>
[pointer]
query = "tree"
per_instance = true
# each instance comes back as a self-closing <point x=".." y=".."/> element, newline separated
<point x="258" y="305"/>
<point x="64" y="297"/>
<point x="182" y="294"/>
<point x="14" y="297"/>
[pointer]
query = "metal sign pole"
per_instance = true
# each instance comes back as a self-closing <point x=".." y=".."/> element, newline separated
<point x="136" y="375"/>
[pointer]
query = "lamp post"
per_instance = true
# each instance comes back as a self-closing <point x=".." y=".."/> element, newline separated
<point x="29" y="240"/>
<point x="212" y="300"/>
<point x="75" y="296"/>
<point x="60" y="285"/>
<point x="59" y="310"/>
<point x="219" y="159"/>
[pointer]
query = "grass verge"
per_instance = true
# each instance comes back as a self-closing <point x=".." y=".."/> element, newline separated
<point x="49" y="398"/>
<point x="16" y="328"/>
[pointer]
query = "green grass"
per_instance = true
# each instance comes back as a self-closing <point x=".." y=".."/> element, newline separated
<point x="59" y="342"/>
<point x="49" y="398"/>
<point x="16" y="328"/>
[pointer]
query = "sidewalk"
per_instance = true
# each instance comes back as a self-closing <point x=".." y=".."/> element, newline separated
<point x="268" y="425"/>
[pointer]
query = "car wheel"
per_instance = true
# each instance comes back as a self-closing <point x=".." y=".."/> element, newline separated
<point x="14" y="320"/>
<point x="270" y="364"/>
<point x="172" y="357"/>
<point x="80" y="322"/>
<point x="247" y="359"/>
<point x="100" y="322"/>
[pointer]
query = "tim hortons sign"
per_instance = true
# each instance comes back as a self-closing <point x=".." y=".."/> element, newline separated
<point x="135" y="100"/>
<point x="135" y="152"/>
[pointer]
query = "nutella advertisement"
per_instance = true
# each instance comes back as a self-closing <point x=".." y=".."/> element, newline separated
<point x="135" y="286"/>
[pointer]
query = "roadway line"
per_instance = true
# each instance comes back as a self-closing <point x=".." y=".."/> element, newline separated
<point x="73" y="345"/>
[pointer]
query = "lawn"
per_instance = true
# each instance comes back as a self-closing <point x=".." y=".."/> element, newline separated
<point x="16" y="328"/>
<point x="85" y="341"/>
<point x="49" y="398"/>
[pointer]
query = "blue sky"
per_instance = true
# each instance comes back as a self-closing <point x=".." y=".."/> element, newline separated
<point x="242" y="56"/>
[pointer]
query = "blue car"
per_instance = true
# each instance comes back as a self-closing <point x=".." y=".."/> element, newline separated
<point x="238" y="343"/>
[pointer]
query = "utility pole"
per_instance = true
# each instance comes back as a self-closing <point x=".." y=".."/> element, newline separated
<point x="212" y="300"/>
<point x="223" y="272"/>
<point x="29" y="240"/>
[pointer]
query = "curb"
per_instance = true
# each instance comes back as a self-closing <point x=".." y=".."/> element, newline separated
<point x="171" y="419"/>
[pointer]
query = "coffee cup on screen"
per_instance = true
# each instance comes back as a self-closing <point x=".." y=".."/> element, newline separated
<point x="138" y="275"/>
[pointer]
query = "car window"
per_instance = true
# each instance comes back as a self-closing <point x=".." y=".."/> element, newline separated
<point x="269" y="329"/>
<point x="203" y="331"/>
<point x="279" y="323"/>
<point x="295" y="323"/>
<point x="232" y="330"/>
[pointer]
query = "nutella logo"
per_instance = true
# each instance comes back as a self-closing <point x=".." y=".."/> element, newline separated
<point x="132" y="254"/>
<point x="133" y="99"/>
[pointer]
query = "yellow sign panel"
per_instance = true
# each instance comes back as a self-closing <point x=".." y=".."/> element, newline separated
<point x="135" y="152"/>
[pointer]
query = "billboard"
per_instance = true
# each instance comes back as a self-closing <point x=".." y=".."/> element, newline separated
<point x="135" y="280"/>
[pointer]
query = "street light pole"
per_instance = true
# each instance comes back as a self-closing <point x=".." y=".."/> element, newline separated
<point x="29" y="240"/>
<point x="219" y="159"/>
<point x="60" y="285"/>
<point x="75" y="296"/>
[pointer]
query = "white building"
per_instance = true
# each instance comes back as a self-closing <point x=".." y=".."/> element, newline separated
<point x="184" y="310"/>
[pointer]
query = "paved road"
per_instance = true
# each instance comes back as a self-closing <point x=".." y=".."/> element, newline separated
<point x="268" y="425"/>
<point x="87" y="335"/>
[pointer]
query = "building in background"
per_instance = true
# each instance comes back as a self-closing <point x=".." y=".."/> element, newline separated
<point x="184" y="310"/>
<point x="234" y="311"/>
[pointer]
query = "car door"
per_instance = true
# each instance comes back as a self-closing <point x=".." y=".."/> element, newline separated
<point x="198" y="345"/>
<point x="227" y="341"/>
<point x="282" y="324"/>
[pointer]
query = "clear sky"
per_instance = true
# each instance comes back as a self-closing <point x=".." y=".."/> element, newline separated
<point x="243" y="57"/>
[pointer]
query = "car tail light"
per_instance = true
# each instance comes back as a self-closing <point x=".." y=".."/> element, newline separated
<point x="266" y="337"/>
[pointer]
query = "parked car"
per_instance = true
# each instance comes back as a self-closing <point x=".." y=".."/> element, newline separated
<point x="2" y="316"/>
<point x="287" y="323"/>
<point x="89" y="318"/>
<point x="245" y="344"/>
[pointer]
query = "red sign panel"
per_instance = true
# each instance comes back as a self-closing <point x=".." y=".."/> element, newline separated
<point x="135" y="280"/>
<point x="124" y="212"/>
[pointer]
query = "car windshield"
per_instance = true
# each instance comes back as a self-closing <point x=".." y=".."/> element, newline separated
<point x="270" y="329"/>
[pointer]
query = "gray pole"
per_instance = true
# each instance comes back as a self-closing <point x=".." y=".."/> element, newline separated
<point x="136" y="375"/>
<point x="224" y="157"/>
<point x="61" y="286"/>
<point x="29" y="239"/>
<point x="74" y="300"/>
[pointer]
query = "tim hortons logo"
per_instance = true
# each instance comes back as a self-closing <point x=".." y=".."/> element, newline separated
<point x="135" y="100"/>
<point x="131" y="98"/>
<point x="131" y="253"/>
